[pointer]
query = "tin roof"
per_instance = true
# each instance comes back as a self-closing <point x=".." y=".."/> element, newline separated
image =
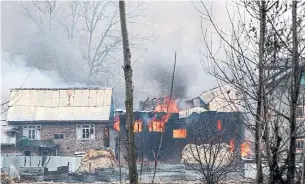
<point x="59" y="104"/>
<point x="223" y="99"/>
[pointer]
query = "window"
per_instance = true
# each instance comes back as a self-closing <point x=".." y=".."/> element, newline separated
<point x="300" y="112"/>
<point x="85" y="132"/>
<point x="156" y="126"/>
<point x="59" y="136"/>
<point x="32" y="132"/>
<point x="179" y="133"/>
<point x="300" y="144"/>
<point x="137" y="127"/>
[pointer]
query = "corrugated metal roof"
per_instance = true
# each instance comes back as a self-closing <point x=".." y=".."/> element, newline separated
<point x="56" y="104"/>
<point x="222" y="99"/>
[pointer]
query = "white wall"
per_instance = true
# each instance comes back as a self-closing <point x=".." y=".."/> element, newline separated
<point x="55" y="161"/>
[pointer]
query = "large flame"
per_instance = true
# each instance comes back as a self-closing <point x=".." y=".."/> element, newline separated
<point x="179" y="133"/>
<point x="158" y="125"/>
<point x="245" y="149"/>
<point x="169" y="106"/>
<point x="155" y="125"/>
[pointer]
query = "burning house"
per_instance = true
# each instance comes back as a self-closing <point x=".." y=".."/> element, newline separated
<point x="61" y="121"/>
<point x="161" y="119"/>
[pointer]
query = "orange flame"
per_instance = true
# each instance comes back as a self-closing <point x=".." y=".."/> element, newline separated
<point x="232" y="145"/>
<point x="116" y="125"/>
<point x="158" y="125"/>
<point x="245" y="149"/>
<point x="179" y="133"/>
<point x="137" y="126"/>
<point x="219" y="125"/>
<point x="169" y="106"/>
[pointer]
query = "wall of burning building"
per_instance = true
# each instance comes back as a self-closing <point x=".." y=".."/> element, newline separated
<point x="221" y="127"/>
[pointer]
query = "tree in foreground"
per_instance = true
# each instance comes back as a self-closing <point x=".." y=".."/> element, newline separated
<point x="131" y="148"/>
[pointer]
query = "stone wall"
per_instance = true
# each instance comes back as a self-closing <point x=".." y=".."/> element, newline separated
<point x="70" y="144"/>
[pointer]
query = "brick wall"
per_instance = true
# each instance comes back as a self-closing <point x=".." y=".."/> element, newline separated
<point x="70" y="144"/>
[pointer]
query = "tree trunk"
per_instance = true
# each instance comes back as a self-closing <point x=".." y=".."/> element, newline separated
<point x="258" y="125"/>
<point x="295" y="88"/>
<point x="267" y="135"/>
<point x="131" y="149"/>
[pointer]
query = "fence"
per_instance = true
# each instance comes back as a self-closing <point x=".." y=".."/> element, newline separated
<point x="52" y="162"/>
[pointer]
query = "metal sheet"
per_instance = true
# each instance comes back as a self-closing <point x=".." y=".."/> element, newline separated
<point x="59" y="104"/>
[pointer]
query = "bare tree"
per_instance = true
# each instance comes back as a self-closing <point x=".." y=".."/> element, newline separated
<point x="295" y="89"/>
<point x="71" y="21"/>
<point x="274" y="72"/>
<point x="131" y="148"/>
<point x="46" y="11"/>
<point x="260" y="92"/>
<point x="210" y="152"/>
<point x="101" y="26"/>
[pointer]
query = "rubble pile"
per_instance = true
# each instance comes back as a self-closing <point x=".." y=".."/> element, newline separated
<point x="95" y="159"/>
<point x="218" y="154"/>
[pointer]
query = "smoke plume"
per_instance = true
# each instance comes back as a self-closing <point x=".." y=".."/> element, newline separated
<point x="162" y="75"/>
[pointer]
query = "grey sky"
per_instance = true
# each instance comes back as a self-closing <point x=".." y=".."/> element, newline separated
<point x="175" y="25"/>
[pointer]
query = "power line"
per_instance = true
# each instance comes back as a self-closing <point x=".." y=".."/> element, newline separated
<point x="19" y="88"/>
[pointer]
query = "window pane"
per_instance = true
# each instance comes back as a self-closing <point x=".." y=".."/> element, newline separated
<point x="84" y="133"/>
<point x="87" y="133"/>
<point x="300" y="112"/>
<point x="33" y="134"/>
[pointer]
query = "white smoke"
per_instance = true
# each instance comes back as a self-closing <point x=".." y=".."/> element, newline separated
<point x="15" y="74"/>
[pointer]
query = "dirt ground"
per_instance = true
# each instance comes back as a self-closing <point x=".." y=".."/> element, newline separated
<point x="157" y="182"/>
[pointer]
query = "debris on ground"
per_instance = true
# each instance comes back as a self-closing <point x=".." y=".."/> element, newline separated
<point x="5" y="179"/>
<point x="96" y="159"/>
